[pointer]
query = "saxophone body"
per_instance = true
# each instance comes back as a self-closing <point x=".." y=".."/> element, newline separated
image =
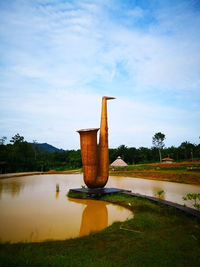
<point x="95" y="158"/>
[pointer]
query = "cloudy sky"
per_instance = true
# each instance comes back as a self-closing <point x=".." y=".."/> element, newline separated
<point x="59" y="57"/>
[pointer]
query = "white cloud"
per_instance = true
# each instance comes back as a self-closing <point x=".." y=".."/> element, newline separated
<point x="55" y="117"/>
<point x="58" y="57"/>
<point x="73" y="43"/>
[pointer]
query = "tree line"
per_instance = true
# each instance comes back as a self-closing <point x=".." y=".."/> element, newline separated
<point x="21" y="156"/>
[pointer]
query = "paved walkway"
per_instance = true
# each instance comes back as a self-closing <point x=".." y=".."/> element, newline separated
<point x="185" y="209"/>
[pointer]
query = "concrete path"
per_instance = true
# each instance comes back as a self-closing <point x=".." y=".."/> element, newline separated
<point x="185" y="209"/>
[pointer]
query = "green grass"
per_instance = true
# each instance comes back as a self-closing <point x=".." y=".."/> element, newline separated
<point x="73" y="194"/>
<point x="182" y="172"/>
<point x="161" y="167"/>
<point x="156" y="236"/>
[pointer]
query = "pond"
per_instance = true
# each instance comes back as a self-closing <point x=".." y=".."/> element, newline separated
<point x="172" y="191"/>
<point x="32" y="211"/>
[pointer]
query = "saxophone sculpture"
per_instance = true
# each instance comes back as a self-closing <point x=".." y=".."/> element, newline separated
<point x="95" y="159"/>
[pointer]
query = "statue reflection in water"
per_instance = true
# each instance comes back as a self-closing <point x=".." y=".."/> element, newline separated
<point x="11" y="187"/>
<point x="94" y="216"/>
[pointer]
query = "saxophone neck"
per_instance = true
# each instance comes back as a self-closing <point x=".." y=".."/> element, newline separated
<point x="103" y="143"/>
<point x="104" y="122"/>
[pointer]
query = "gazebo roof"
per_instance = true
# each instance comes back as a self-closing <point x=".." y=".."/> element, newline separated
<point x="118" y="162"/>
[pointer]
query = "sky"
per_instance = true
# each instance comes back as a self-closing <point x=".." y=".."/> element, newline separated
<point x="58" y="58"/>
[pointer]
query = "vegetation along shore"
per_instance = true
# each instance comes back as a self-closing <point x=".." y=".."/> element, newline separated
<point x="187" y="172"/>
<point x="183" y="172"/>
<point x="22" y="156"/>
<point x="19" y="156"/>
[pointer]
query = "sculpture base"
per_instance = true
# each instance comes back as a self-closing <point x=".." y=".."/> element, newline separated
<point x="98" y="192"/>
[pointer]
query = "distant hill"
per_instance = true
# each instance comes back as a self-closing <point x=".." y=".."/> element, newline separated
<point x="47" y="148"/>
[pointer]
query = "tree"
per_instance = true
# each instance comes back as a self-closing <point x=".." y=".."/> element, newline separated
<point x="187" y="148"/>
<point x="144" y="154"/>
<point x="158" y="142"/>
<point x="17" y="139"/>
<point x="2" y="140"/>
<point x="35" y="147"/>
<point x="122" y="152"/>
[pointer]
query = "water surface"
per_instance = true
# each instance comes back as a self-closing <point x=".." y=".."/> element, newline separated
<point x="172" y="191"/>
<point x="31" y="209"/>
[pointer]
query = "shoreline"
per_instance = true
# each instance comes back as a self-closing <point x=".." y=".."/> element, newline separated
<point x="193" y="179"/>
<point x="174" y="178"/>
<point x="20" y="174"/>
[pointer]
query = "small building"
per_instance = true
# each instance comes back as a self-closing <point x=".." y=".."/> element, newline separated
<point x="167" y="160"/>
<point x="119" y="163"/>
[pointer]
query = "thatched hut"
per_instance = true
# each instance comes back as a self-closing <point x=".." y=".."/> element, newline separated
<point x="119" y="163"/>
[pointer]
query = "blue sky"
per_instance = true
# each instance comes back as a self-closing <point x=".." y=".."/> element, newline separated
<point x="58" y="58"/>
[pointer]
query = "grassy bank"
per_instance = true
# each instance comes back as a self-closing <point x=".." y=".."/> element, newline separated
<point x="184" y="172"/>
<point x="156" y="236"/>
<point x="187" y="172"/>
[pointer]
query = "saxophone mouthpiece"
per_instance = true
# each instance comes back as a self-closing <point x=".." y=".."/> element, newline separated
<point x="108" y="97"/>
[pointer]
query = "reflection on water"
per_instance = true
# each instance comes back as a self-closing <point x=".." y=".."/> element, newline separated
<point x="57" y="194"/>
<point x="13" y="188"/>
<point x="94" y="216"/>
<point x="37" y="212"/>
<point x="157" y="191"/>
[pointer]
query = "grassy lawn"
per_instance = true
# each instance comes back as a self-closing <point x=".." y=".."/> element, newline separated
<point x="156" y="236"/>
<point x="184" y="172"/>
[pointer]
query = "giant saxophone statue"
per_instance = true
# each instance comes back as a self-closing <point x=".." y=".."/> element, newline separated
<point x="95" y="159"/>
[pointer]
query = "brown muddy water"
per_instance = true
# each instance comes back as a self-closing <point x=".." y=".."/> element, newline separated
<point x="172" y="191"/>
<point x="31" y="210"/>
